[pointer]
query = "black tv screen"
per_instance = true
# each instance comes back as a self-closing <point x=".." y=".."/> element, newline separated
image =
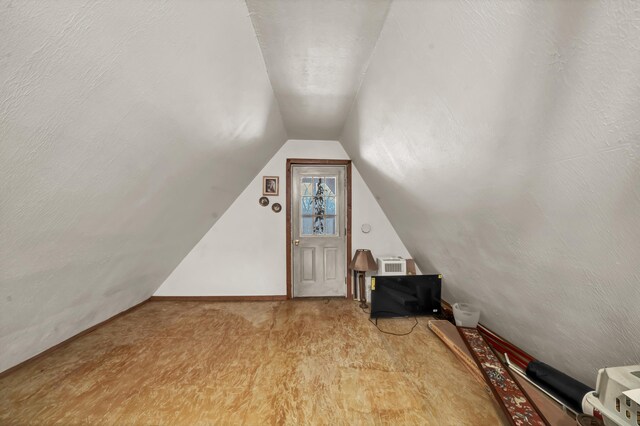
<point x="405" y="295"/>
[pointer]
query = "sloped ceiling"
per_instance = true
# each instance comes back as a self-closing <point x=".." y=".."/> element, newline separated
<point x="125" y="132"/>
<point x="316" y="54"/>
<point x="503" y="142"/>
<point x="501" y="138"/>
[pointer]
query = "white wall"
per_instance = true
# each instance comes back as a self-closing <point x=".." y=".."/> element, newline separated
<point x="510" y="132"/>
<point x="125" y="132"/>
<point x="249" y="231"/>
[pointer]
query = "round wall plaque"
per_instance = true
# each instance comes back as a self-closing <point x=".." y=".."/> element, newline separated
<point x="276" y="207"/>
<point x="264" y="201"/>
<point x="365" y="228"/>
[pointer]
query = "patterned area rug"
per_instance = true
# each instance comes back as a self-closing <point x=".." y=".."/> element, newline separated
<point x="511" y="397"/>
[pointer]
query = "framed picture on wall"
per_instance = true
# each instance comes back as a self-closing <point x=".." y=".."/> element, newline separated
<point x="270" y="185"/>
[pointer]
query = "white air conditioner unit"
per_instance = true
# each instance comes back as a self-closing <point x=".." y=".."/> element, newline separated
<point x="392" y="266"/>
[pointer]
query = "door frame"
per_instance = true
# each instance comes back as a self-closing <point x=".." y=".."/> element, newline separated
<point x="313" y="162"/>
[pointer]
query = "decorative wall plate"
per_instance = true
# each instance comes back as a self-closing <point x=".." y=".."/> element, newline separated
<point x="264" y="201"/>
<point x="365" y="228"/>
<point x="276" y="207"/>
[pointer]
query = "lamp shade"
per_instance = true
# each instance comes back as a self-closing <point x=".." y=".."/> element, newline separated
<point x="363" y="261"/>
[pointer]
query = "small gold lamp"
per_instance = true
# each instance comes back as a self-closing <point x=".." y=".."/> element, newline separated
<point x="362" y="262"/>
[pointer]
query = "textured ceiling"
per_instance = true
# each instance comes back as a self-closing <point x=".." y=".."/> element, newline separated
<point x="316" y="54"/>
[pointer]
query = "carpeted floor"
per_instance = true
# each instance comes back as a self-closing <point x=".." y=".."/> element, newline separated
<point x="294" y="362"/>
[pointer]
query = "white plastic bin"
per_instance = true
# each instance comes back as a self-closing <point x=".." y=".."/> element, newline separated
<point x="466" y="315"/>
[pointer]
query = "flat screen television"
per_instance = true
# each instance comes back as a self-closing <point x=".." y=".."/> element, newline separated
<point x="405" y="295"/>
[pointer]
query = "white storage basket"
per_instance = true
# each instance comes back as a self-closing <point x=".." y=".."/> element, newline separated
<point x="466" y="315"/>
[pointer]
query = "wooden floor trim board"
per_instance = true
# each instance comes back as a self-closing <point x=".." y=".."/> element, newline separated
<point x="69" y="340"/>
<point x="455" y="343"/>
<point x="217" y="298"/>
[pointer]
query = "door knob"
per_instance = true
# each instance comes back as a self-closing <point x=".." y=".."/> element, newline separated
<point x="296" y="242"/>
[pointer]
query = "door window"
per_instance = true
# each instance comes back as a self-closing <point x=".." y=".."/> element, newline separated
<point x="318" y="206"/>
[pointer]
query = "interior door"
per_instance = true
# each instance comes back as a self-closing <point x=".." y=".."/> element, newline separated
<point x="318" y="217"/>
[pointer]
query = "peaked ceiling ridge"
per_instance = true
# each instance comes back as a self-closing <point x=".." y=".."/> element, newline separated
<point x="364" y="72"/>
<point x="316" y="55"/>
<point x="266" y="68"/>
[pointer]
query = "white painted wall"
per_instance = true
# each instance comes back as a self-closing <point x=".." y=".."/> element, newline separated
<point x="249" y="231"/>
<point x="510" y="132"/>
<point x="125" y="132"/>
